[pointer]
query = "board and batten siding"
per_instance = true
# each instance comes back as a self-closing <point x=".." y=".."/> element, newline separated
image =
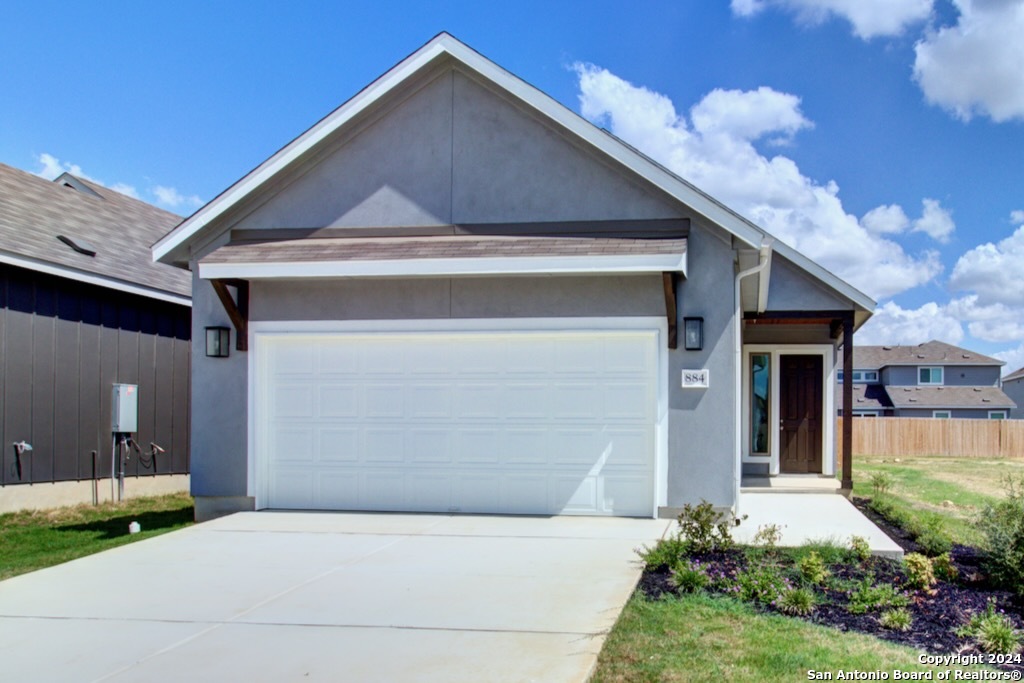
<point x="63" y="344"/>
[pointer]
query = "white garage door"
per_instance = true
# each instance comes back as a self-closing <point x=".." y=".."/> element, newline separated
<point x="519" y="422"/>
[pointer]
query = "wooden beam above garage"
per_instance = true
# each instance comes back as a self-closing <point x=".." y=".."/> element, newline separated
<point x="238" y="311"/>
<point x="668" y="281"/>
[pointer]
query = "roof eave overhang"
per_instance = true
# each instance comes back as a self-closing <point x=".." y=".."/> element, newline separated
<point x="93" y="279"/>
<point x="446" y="267"/>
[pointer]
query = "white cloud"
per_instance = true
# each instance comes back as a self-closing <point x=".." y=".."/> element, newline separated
<point x="977" y="65"/>
<point x="717" y="154"/>
<point x="892" y="324"/>
<point x="935" y="221"/>
<point x="1017" y="217"/>
<point x="125" y="189"/>
<point x="170" y="198"/>
<point x="890" y="219"/>
<point x="993" y="271"/>
<point x="885" y="219"/>
<point x="994" y="322"/>
<point x="869" y="18"/>
<point x="1014" y="359"/>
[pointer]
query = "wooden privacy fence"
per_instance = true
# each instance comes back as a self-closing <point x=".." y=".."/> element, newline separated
<point x="911" y="436"/>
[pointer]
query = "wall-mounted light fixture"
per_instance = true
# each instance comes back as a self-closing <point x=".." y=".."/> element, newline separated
<point x="218" y="342"/>
<point x="693" y="334"/>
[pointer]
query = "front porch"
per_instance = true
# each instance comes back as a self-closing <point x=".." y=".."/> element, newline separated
<point x="810" y="518"/>
<point x="789" y="483"/>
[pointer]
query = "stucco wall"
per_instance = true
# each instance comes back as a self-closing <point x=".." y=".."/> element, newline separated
<point x="793" y="290"/>
<point x="701" y="440"/>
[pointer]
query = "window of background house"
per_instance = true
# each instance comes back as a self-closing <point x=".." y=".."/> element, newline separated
<point x="944" y="414"/>
<point x="997" y="414"/>
<point x="760" y="391"/>
<point x="929" y="375"/>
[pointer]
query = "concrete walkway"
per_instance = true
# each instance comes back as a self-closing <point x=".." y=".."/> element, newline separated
<point x="330" y="597"/>
<point x="806" y="517"/>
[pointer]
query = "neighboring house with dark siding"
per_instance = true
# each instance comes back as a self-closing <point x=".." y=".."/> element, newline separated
<point x="1013" y="386"/>
<point x="82" y="306"/>
<point x="933" y="379"/>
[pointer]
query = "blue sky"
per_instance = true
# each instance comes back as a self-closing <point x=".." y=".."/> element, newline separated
<point x="884" y="138"/>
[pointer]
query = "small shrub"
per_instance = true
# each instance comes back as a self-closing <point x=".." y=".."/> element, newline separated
<point x="929" y="531"/>
<point x="763" y="584"/>
<point x="992" y="631"/>
<point x="705" y="530"/>
<point x="868" y="596"/>
<point x="888" y="509"/>
<point x="689" y="577"/>
<point x="667" y="552"/>
<point x="797" y="602"/>
<point x="897" y="619"/>
<point x="860" y="548"/>
<point x="919" y="571"/>
<point x="1003" y="527"/>
<point x="768" y="536"/>
<point x="881" y="482"/>
<point x="813" y="569"/>
<point x="944" y="568"/>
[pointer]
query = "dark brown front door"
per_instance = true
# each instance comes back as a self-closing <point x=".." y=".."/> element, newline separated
<point x="800" y="413"/>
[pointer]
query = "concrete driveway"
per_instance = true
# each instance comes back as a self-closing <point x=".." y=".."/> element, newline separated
<point x="275" y="596"/>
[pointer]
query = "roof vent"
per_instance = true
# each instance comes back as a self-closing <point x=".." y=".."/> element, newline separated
<point x="920" y="355"/>
<point x="977" y="389"/>
<point x="78" y="244"/>
<point x="913" y="400"/>
<point x="986" y="400"/>
<point x="966" y="355"/>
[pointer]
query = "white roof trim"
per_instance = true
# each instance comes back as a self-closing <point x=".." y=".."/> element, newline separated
<point x="92" y="279"/>
<point x="610" y="145"/>
<point x="518" y="265"/>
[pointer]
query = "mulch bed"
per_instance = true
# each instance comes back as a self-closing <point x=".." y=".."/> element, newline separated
<point x="936" y="616"/>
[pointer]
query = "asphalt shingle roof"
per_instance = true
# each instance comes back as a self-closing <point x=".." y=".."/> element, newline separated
<point x="949" y="397"/>
<point x="865" y="397"/>
<point x="1016" y="374"/>
<point x="929" y="353"/>
<point x="34" y="211"/>
<point x="436" y="247"/>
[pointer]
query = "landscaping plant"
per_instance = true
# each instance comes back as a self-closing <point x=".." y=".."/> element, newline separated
<point x="1003" y="527"/>
<point x="689" y="577"/>
<point x="920" y="573"/>
<point x="897" y="619"/>
<point x="860" y="548"/>
<point x="798" y="602"/>
<point x="992" y="631"/>
<point x="944" y="568"/>
<point x="705" y="530"/>
<point x="869" y="596"/>
<point x="813" y="569"/>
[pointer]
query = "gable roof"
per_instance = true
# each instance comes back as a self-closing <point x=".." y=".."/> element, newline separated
<point x="42" y="221"/>
<point x="172" y="248"/>
<point x="1015" y="375"/>
<point x="928" y="353"/>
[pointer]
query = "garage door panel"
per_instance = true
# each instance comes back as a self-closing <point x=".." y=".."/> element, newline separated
<point x="477" y="493"/>
<point x="338" y="400"/>
<point x="477" y="400"/>
<point x="478" y="446"/>
<point x="385" y="401"/>
<point x="338" y="445"/>
<point x="521" y="422"/>
<point x="333" y="487"/>
<point x="383" y="445"/>
<point x="291" y="400"/>
<point x="294" y="443"/>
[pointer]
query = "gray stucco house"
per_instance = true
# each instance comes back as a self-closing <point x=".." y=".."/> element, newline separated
<point x="453" y="294"/>
<point x="1013" y="386"/>
<point x="83" y="306"/>
<point x="933" y="379"/>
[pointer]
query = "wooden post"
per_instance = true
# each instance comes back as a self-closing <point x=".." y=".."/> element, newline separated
<point x="847" y="482"/>
<point x="668" y="281"/>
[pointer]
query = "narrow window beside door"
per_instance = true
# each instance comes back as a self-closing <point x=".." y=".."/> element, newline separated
<point x="760" y="393"/>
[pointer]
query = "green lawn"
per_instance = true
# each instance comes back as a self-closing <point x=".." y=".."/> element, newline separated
<point x="956" y="488"/>
<point x="713" y="638"/>
<point x="36" y="539"/>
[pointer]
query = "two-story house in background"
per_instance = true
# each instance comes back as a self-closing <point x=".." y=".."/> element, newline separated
<point x="933" y="379"/>
<point x="1013" y="386"/>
